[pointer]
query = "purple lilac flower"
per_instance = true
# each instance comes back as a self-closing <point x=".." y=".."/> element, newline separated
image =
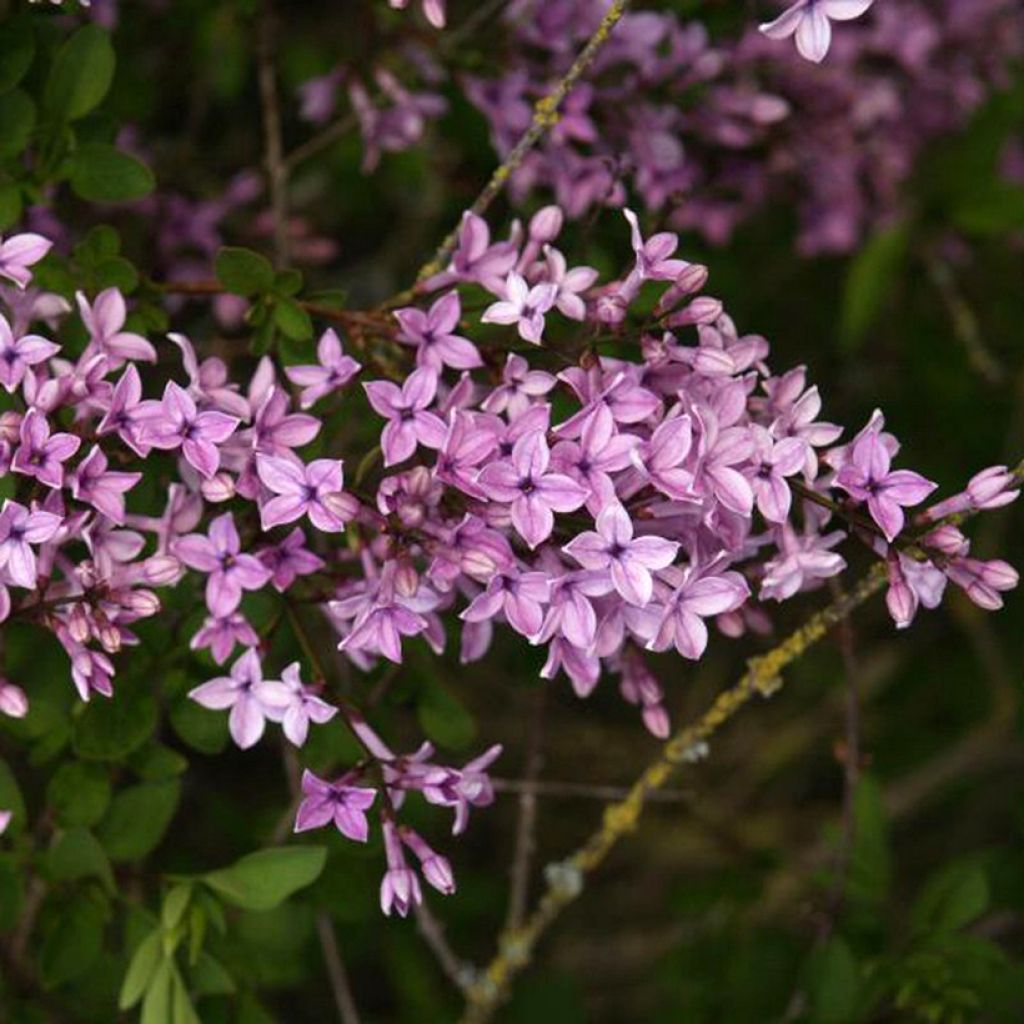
<point x="533" y="494"/>
<point x="867" y="477"/>
<point x="248" y="696"/>
<point x="221" y="634"/>
<point x="104" y="320"/>
<point x="326" y="802"/>
<point x="629" y="560"/>
<point x="18" y="354"/>
<point x="334" y="371"/>
<point x="42" y="454"/>
<point x="18" y="253"/>
<point x="431" y="333"/>
<point x="295" y="705"/>
<point x="405" y="409"/>
<point x="19" y="529"/>
<point x="104" y="489"/>
<point x="178" y="424"/>
<point x="289" y="559"/>
<point x="229" y="571"/>
<point x="523" y="306"/>
<point x="313" y="490"/>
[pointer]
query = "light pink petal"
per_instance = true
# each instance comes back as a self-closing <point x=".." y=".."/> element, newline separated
<point x="814" y="35"/>
<point x="533" y="519"/>
<point x="281" y="475"/>
<point x="217" y="695"/>
<point x="246" y="722"/>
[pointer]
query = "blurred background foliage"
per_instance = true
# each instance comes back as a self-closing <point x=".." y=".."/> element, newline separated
<point x="725" y="906"/>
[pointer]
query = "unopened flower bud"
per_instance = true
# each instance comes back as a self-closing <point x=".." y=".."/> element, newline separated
<point x="162" y="570"/>
<point x="988" y="489"/>
<point x="13" y="702"/>
<point x="656" y="721"/>
<point x="702" y="310"/>
<point x="546" y="225"/>
<point x="220" y="487"/>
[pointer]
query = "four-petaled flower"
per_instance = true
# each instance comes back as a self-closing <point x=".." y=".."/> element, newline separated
<point x="42" y="454"/>
<point x="300" y="489"/>
<point x="19" y="528"/>
<point x="18" y="354"/>
<point x="295" y="706"/>
<point x="867" y="477"/>
<point x="230" y="571"/>
<point x="410" y="424"/>
<point x="629" y="560"/>
<point x="248" y="696"/>
<point x="335" y="370"/>
<point x="523" y="306"/>
<point x="326" y="802"/>
<point x="534" y="494"/>
<point x="177" y="423"/>
<point x="431" y="333"/>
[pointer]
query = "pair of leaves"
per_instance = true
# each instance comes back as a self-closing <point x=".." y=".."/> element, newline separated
<point x="251" y="275"/>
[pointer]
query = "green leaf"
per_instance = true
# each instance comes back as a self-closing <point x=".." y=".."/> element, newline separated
<point x="954" y="897"/>
<point x="870" y="871"/>
<point x="156" y="762"/>
<point x="262" y="880"/>
<point x="17" y="119"/>
<point x="147" y="958"/>
<point x="201" y="729"/>
<point x="108" y="730"/>
<point x="243" y="271"/>
<point x="17" y="48"/>
<point x="292" y="319"/>
<point x="444" y="717"/>
<point x="288" y="282"/>
<point x="78" y="854"/>
<point x="73" y="943"/>
<point x="870" y="280"/>
<point x="80" y="75"/>
<point x="994" y="210"/>
<point x="79" y="793"/>
<point x="175" y="904"/>
<point x="210" y="978"/>
<point x="100" y="244"/>
<point x="156" y="1007"/>
<point x="832" y="984"/>
<point x="181" y="1006"/>
<point x="138" y="819"/>
<point x="10" y="205"/>
<point x="103" y="173"/>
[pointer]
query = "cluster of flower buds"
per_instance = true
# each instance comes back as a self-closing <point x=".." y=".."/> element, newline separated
<point x="597" y="506"/>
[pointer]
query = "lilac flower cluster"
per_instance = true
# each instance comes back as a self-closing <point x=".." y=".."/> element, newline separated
<point x="674" y="491"/>
<point x="708" y="131"/>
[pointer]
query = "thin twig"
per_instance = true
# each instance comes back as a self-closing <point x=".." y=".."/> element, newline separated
<point x="273" y="155"/>
<point x="565" y="880"/>
<point x="458" y="971"/>
<point x="963" y="320"/>
<point x="583" y="790"/>
<point x="545" y="117"/>
<point x="343" y="999"/>
<point x="526" y="825"/>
